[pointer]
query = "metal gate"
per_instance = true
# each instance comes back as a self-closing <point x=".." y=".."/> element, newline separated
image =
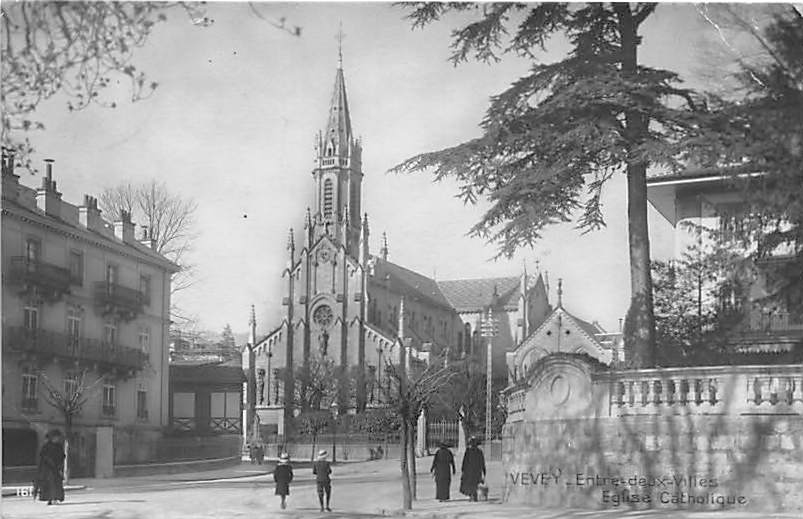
<point x="442" y="431"/>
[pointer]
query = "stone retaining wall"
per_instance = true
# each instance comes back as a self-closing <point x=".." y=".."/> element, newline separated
<point x="695" y="439"/>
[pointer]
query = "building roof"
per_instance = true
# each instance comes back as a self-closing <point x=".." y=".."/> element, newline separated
<point x="66" y="223"/>
<point x="698" y="173"/>
<point x="410" y="284"/>
<point x="212" y="373"/>
<point x="475" y="295"/>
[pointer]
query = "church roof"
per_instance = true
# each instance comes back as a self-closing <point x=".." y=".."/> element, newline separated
<point x="475" y="295"/>
<point x="409" y="283"/>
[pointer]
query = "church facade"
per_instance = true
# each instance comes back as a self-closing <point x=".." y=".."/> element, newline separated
<point x="349" y="307"/>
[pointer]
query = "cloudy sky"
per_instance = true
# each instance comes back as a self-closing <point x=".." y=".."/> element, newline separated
<point x="232" y="124"/>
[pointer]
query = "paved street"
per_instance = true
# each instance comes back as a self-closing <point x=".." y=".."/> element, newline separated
<point x="360" y="490"/>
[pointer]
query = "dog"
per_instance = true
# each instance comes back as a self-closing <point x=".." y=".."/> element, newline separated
<point x="482" y="492"/>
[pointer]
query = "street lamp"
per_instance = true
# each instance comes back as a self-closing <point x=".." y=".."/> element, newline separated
<point x="333" y="407"/>
<point x="489" y="330"/>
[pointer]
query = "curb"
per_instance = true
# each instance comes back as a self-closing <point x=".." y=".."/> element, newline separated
<point x="27" y="490"/>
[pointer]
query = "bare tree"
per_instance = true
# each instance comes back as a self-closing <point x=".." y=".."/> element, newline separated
<point x="80" y="51"/>
<point x="77" y="49"/>
<point x="70" y="400"/>
<point x="409" y="393"/>
<point x="167" y="218"/>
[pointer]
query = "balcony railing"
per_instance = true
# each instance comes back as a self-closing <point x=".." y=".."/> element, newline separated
<point x="47" y="343"/>
<point x="773" y="321"/>
<point x="51" y="279"/>
<point x="112" y="298"/>
<point x="109" y="410"/>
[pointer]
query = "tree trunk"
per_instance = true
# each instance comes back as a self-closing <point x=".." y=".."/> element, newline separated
<point x="639" y="332"/>
<point x="67" y="436"/>
<point x="411" y="439"/>
<point x="407" y="496"/>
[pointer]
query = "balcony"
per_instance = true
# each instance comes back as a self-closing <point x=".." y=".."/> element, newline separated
<point x="117" y="300"/>
<point x="109" y="411"/>
<point x="45" y="343"/>
<point x="51" y="281"/>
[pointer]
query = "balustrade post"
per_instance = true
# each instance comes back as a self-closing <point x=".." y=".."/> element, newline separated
<point x="694" y="392"/>
<point x="751" y="390"/>
<point x="705" y="394"/>
<point x="626" y="392"/>
<point x="676" y="391"/>
<point x="638" y="399"/>
<point x="766" y="390"/>
<point x="797" y="389"/>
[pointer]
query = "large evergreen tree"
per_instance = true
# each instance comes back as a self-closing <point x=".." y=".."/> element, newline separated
<point x="554" y="138"/>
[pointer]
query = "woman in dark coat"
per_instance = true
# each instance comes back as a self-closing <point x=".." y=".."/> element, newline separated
<point x="440" y="469"/>
<point x="283" y="475"/>
<point x="473" y="470"/>
<point x="50" y="473"/>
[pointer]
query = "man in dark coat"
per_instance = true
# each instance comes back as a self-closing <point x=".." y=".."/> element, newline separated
<point x="440" y="469"/>
<point x="50" y="473"/>
<point x="321" y="468"/>
<point x="283" y="475"/>
<point x="473" y="470"/>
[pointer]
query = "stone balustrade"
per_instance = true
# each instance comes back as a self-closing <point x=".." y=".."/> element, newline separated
<point x="704" y="390"/>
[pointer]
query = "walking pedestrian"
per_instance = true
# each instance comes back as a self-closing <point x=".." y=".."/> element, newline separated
<point x="473" y="470"/>
<point x="260" y="453"/>
<point x="283" y="475"/>
<point x="50" y="473"/>
<point x="322" y="469"/>
<point x="440" y="470"/>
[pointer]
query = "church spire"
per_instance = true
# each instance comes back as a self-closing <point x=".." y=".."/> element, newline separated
<point x="337" y="139"/>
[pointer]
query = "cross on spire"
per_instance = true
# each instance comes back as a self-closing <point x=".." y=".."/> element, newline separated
<point x="340" y="35"/>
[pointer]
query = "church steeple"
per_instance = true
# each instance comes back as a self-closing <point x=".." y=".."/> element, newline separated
<point x="338" y="172"/>
<point x="337" y="138"/>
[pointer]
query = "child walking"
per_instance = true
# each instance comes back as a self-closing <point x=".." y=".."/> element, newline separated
<point x="283" y="475"/>
<point x="321" y="468"/>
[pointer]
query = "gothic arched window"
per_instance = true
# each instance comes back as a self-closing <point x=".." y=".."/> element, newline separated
<point x="328" y="198"/>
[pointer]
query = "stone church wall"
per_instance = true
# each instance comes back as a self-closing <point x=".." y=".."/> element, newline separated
<point x="682" y="439"/>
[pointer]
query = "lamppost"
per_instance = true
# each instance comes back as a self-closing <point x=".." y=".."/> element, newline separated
<point x="379" y="369"/>
<point x="333" y="407"/>
<point x="488" y="331"/>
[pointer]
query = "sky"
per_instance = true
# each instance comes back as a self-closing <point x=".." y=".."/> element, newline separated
<point x="232" y="123"/>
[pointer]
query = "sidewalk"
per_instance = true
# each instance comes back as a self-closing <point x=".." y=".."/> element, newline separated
<point x="244" y="471"/>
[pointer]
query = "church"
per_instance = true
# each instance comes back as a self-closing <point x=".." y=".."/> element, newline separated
<point x="353" y="308"/>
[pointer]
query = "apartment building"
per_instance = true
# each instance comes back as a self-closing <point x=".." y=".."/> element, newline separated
<point x="85" y="313"/>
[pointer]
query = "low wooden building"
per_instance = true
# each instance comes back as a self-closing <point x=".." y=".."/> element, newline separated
<point x="206" y="398"/>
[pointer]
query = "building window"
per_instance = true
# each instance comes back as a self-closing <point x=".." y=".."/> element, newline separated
<point x="73" y="326"/>
<point x="31" y="316"/>
<point x="30" y="395"/>
<point x="328" y="198"/>
<point x="142" y="404"/>
<point x="76" y="267"/>
<point x="109" y="399"/>
<point x="110" y="333"/>
<point x="145" y="339"/>
<point x="33" y="250"/>
<point x="145" y="288"/>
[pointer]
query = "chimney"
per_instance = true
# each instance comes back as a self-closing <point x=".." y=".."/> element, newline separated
<point x="124" y="228"/>
<point x="146" y="239"/>
<point x="11" y="185"/>
<point x="48" y="199"/>
<point x="89" y="214"/>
